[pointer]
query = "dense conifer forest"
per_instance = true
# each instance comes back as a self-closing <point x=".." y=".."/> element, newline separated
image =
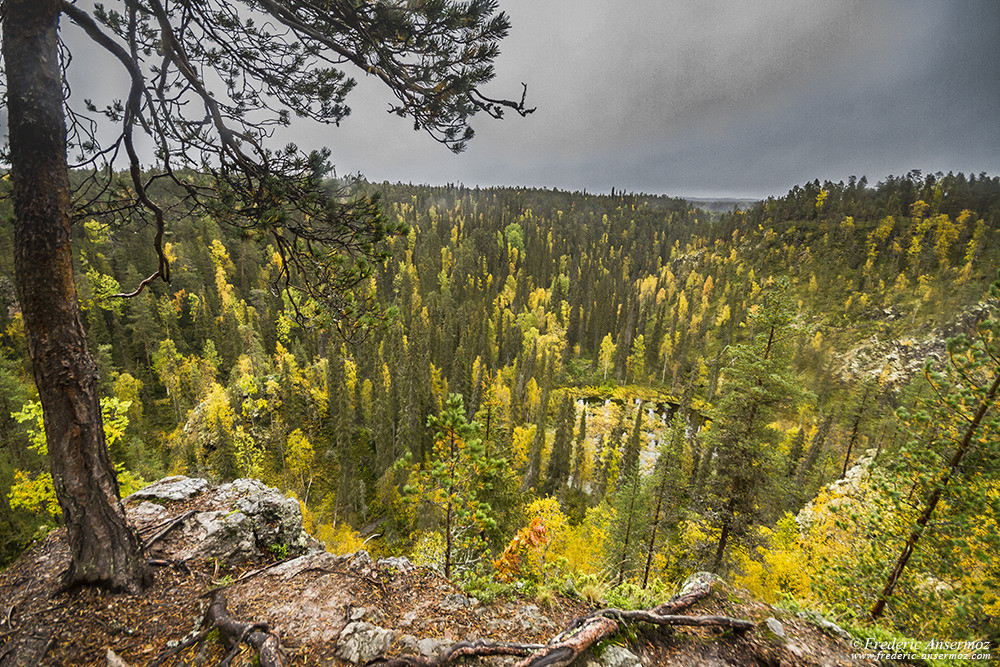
<point x="596" y="393"/>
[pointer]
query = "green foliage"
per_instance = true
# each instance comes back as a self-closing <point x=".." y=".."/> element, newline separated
<point x="31" y="415"/>
<point x="757" y="385"/>
<point x="630" y="595"/>
<point x="448" y="484"/>
<point x="487" y="588"/>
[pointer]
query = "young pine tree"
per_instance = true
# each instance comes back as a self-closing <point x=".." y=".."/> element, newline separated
<point x="451" y="483"/>
<point x="757" y="385"/>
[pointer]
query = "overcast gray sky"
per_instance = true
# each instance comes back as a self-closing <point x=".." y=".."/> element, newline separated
<point x="741" y="98"/>
<point x="712" y="97"/>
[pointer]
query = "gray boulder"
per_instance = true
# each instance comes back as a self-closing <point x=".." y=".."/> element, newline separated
<point x="360" y="642"/>
<point x="614" y="656"/>
<point x="774" y="627"/>
<point x="698" y="580"/>
<point x="177" y="487"/>
<point x="254" y="520"/>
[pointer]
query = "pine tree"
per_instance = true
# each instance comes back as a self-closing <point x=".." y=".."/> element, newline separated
<point x="757" y="385"/>
<point x="451" y="483"/>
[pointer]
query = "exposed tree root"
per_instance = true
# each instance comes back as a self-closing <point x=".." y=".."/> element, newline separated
<point x="234" y="633"/>
<point x="459" y="650"/>
<point x="173" y="523"/>
<point x="644" y="616"/>
<point x="583" y="633"/>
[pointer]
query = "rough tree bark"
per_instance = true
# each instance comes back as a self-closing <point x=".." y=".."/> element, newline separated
<point x="105" y="550"/>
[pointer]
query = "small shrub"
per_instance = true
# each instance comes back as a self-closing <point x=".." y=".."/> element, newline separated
<point x="630" y="595"/>
<point x="546" y="598"/>
<point x="487" y="588"/>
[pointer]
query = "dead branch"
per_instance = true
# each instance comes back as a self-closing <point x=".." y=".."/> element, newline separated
<point x="170" y="526"/>
<point x="459" y="650"/>
<point x="584" y="632"/>
<point x="246" y="575"/>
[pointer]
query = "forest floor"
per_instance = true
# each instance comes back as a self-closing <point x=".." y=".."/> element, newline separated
<point x="313" y="602"/>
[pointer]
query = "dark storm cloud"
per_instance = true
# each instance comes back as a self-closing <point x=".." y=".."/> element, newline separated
<point x="702" y="97"/>
<point x="741" y="98"/>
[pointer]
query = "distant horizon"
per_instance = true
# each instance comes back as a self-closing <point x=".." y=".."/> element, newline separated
<point x="706" y="197"/>
<point x="713" y="99"/>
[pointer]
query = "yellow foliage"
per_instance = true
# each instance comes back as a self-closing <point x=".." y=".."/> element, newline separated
<point x="771" y="572"/>
<point x="339" y="539"/>
<point x="428" y="549"/>
<point x="523" y="437"/>
<point x="33" y="494"/>
<point x="585" y="543"/>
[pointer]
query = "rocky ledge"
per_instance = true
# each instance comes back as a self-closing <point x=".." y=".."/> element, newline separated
<point x="238" y="553"/>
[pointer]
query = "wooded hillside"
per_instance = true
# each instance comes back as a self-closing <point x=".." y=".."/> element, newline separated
<point x="554" y="372"/>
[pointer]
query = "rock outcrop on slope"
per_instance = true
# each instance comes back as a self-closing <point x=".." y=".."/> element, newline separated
<point x="245" y="542"/>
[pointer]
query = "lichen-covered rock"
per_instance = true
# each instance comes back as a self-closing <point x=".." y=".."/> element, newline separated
<point x="227" y="536"/>
<point x="397" y="564"/>
<point x="774" y="626"/>
<point x="360" y="642"/>
<point x="615" y="656"/>
<point x="829" y="627"/>
<point x="147" y="512"/>
<point x="698" y="580"/>
<point x="253" y="520"/>
<point x="177" y="487"/>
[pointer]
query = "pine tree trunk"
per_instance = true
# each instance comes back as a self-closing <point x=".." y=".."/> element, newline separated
<point x="653" y="529"/>
<point x="724" y="536"/>
<point x="103" y="547"/>
<point x="935" y="497"/>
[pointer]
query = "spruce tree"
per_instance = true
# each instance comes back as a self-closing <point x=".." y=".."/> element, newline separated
<point x="580" y="452"/>
<point x="757" y="384"/>
<point x="631" y="516"/>
<point x="667" y="489"/>
<point x="558" y="470"/>
<point x="533" y="472"/>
